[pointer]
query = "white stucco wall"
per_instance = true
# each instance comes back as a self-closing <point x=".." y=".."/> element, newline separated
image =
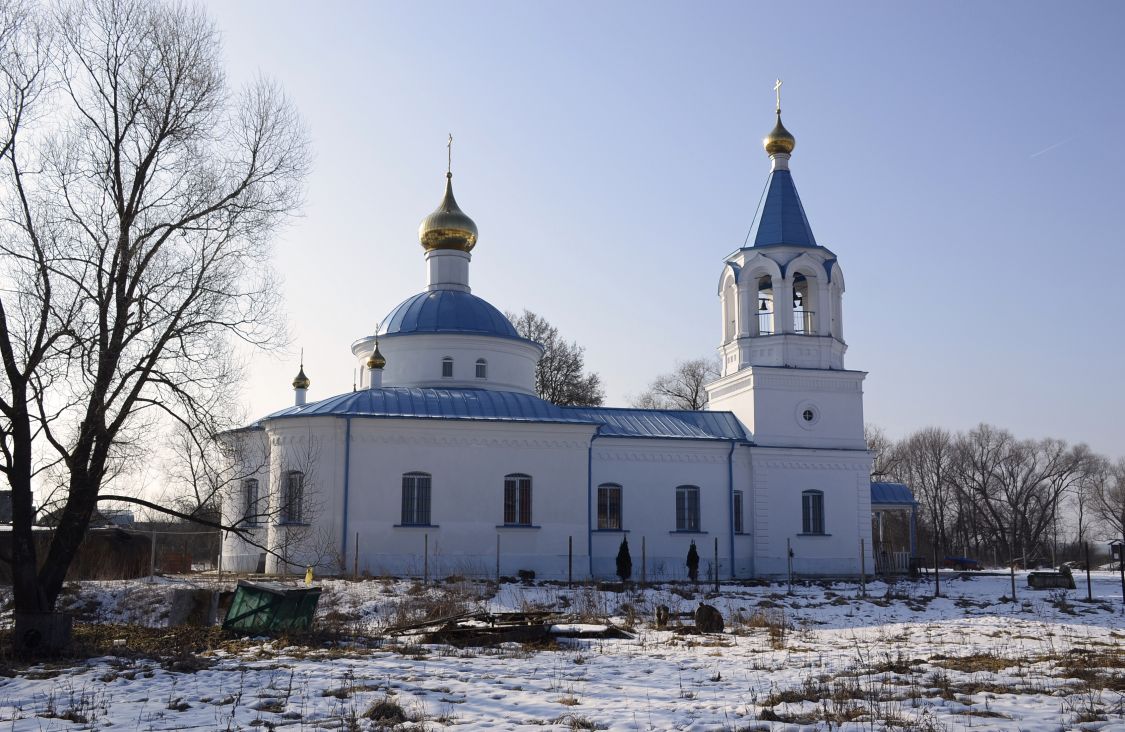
<point x="771" y="402"/>
<point x="649" y="471"/>
<point x="780" y="475"/>
<point x="415" y="359"/>
<point x="248" y="451"/>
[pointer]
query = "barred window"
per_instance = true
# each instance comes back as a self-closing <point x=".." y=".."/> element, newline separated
<point x="416" y="499"/>
<point x="812" y="512"/>
<point x="517" y="499"/>
<point x="293" y="498"/>
<point x="447" y="368"/>
<point x="687" y="508"/>
<point x="251" y="514"/>
<point x="609" y="506"/>
<point x="482" y="368"/>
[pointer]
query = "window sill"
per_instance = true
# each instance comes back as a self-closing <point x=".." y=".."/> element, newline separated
<point x="293" y="523"/>
<point x="820" y="534"/>
<point x="687" y="531"/>
<point x="415" y="526"/>
<point x="518" y="526"/>
<point x="611" y="531"/>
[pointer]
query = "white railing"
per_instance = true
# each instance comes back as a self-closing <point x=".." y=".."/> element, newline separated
<point x="892" y="562"/>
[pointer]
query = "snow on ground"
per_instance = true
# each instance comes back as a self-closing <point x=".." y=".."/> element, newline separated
<point x="822" y="657"/>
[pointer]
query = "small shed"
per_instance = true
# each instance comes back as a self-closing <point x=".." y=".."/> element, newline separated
<point x="263" y="607"/>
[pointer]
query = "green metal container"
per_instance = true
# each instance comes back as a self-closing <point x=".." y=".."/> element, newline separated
<point x="264" y="607"/>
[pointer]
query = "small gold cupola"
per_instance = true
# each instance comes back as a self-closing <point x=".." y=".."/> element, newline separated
<point x="448" y="227"/>
<point x="375" y="364"/>
<point x="301" y="384"/>
<point x="376" y="360"/>
<point x="779" y="140"/>
<point x="301" y="381"/>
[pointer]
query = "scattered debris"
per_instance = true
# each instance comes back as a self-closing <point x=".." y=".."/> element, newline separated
<point x="1050" y="580"/>
<point x="488" y="629"/>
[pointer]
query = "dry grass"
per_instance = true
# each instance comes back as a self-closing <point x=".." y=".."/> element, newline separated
<point x="976" y="662"/>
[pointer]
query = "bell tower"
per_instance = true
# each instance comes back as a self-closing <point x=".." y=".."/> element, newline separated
<point x="782" y="341"/>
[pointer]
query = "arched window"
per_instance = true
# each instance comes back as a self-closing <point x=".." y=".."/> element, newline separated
<point x="687" y="508"/>
<point x="804" y="305"/>
<point x="416" y="499"/>
<point x="482" y="368"/>
<point x="517" y="499"/>
<point x="447" y="367"/>
<point x="763" y="303"/>
<point x="812" y="512"/>
<point x="293" y="498"/>
<point x="251" y="514"/>
<point x="609" y="507"/>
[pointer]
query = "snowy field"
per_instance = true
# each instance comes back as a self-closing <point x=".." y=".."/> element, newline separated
<point x="820" y="658"/>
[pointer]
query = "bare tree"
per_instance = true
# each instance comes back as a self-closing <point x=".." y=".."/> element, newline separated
<point x="1107" y="497"/>
<point x="139" y="195"/>
<point x="924" y="461"/>
<point x="682" y="388"/>
<point x="1015" y="486"/>
<point x="560" y="376"/>
<point x="884" y="451"/>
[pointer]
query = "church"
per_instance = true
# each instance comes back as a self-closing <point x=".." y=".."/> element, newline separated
<point x="443" y="461"/>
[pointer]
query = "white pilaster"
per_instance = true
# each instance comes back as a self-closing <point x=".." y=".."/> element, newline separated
<point x="783" y="306"/>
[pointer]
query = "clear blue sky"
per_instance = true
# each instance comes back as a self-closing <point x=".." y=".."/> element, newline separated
<point x="964" y="160"/>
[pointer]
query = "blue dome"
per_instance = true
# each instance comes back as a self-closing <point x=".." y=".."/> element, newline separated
<point x="447" y="311"/>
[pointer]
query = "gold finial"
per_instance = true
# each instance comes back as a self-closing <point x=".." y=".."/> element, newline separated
<point x="449" y="157"/>
<point x="779" y="140"/>
<point x="376" y="360"/>
<point x="301" y="381"/>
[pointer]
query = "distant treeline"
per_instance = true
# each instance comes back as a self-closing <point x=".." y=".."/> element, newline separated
<point x="987" y="494"/>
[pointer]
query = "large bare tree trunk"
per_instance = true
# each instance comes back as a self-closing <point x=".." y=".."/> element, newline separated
<point x="134" y="250"/>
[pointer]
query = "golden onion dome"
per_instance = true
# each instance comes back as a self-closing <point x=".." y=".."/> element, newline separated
<point x="302" y="381"/>
<point x="376" y="360"/>
<point x="779" y="140"/>
<point x="448" y="227"/>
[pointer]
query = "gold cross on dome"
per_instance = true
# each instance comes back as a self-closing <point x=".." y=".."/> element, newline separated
<point x="449" y="161"/>
<point x="777" y="91"/>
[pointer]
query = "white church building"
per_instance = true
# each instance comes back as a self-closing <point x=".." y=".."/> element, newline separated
<point x="444" y="460"/>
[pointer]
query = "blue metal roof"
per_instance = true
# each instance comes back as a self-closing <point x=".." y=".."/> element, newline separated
<point x="891" y="493"/>
<point x="663" y="423"/>
<point x="507" y="406"/>
<point x="780" y="218"/>
<point x="447" y="311"/>
<point x="434" y="403"/>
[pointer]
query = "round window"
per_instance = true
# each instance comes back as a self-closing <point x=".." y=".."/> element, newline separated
<point x="807" y="415"/>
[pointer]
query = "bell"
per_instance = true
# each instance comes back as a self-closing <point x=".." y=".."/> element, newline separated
<point x="764" y="305"/>
<point x="797" y="299"/>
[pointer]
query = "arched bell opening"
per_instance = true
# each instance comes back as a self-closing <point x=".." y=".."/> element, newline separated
<point x="804" y="304"/>
<point x="765" y="305"/>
